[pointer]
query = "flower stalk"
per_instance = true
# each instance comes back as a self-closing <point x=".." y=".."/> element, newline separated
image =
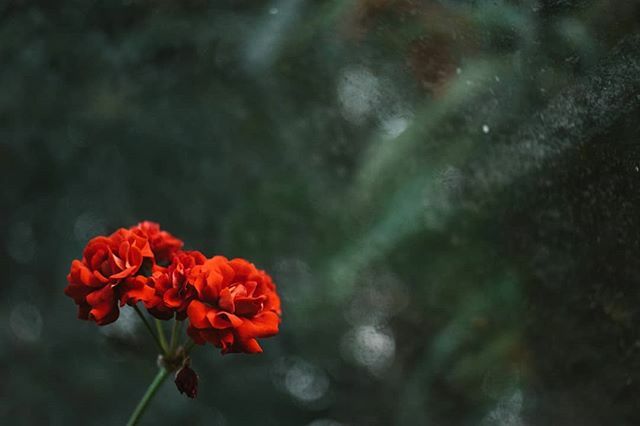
<point x="163" y="340"/>
<point x="146" y="323"/>
<point x="148" y="395"/>
<point x="174" y="332"/>
<point x="170" y="359"/>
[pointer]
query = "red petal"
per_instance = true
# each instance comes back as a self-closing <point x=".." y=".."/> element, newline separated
<point x="250" y="346"/>
<point x="223" y="320"/>
<point x="197" y="312"/>
<point x="248" y="306"/>
<point x="123" y="251"/>
<point x="135" y="257"/>
<point x="226" y="270"/>
<point x="99" y="279"/>
<point x="83" y="311"/>
<point x="160" y="281"/>
<point x="201" y="336"/>
<point x="136" y="290"/>
<point x="77" y="292"/>
<point x="104" y="305"/>
<point x="214" y="279"/>
<point x="83" y="273"/>
<point x="224" y="339"/>
<point x="125" y="273"/>
<point x="265" y="324"/>
<point x="250" y="287"/>
<point x="146" y="250"/>
<point x="242" y="267"/>
<point x="272" y="303"/>
<point x="172" y="298"/>
<point x="226" y="300"/>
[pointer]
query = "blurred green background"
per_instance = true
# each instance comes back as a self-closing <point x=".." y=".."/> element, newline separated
<point x="446" y="193"/>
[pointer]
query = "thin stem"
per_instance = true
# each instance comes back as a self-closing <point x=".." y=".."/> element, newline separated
<point x="144" y="320"/>
<point x="163" y="340"/>
<point x="148" y="395"/>
<point x="174" y="332"/>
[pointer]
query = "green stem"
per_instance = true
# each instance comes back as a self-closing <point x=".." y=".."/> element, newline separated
<point x="174" y="331"/>
<point x="148" y="395"/>
<point x="163" y="340"/>
<point x="144" y="320"/>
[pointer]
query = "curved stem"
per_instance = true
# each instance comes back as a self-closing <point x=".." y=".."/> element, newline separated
<point x="163" y="340"/>
<point x="148" y="395"/>
<point x="144" y="320"/>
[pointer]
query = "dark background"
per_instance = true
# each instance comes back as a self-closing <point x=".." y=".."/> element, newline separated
<point x="445" y="192"/>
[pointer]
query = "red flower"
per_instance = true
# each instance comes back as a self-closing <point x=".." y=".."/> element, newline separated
<point x="167" y="290"/>
<point x="162" y="243"/>
<point x="106" y="262"/>
<point x="236" y="304"/>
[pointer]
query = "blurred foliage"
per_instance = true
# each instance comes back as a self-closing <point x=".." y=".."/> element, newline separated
<point x="445" y="192"/>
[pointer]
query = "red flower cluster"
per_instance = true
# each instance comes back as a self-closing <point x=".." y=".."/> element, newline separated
<point x="236" y="303"/>
<point x="229" y="303"/>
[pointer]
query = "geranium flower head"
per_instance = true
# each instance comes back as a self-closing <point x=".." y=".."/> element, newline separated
<point x="236" y="304"/>
<point x="106" y="262"/>
<point x="114" y="268"/>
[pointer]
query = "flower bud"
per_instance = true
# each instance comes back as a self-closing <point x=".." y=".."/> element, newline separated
<point x="187" y="381"/>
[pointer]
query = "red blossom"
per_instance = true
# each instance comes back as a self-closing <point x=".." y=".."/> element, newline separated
<point x="229" y="303"/>
<point x="115" y="268"/>
<point x="236" y="304"/>
<point x="106" y="262"/>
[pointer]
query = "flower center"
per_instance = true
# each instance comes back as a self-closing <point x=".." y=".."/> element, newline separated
<point x="239" y="299"/>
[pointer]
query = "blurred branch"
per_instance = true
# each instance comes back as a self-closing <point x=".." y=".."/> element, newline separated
<point x="422" y="202"/>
